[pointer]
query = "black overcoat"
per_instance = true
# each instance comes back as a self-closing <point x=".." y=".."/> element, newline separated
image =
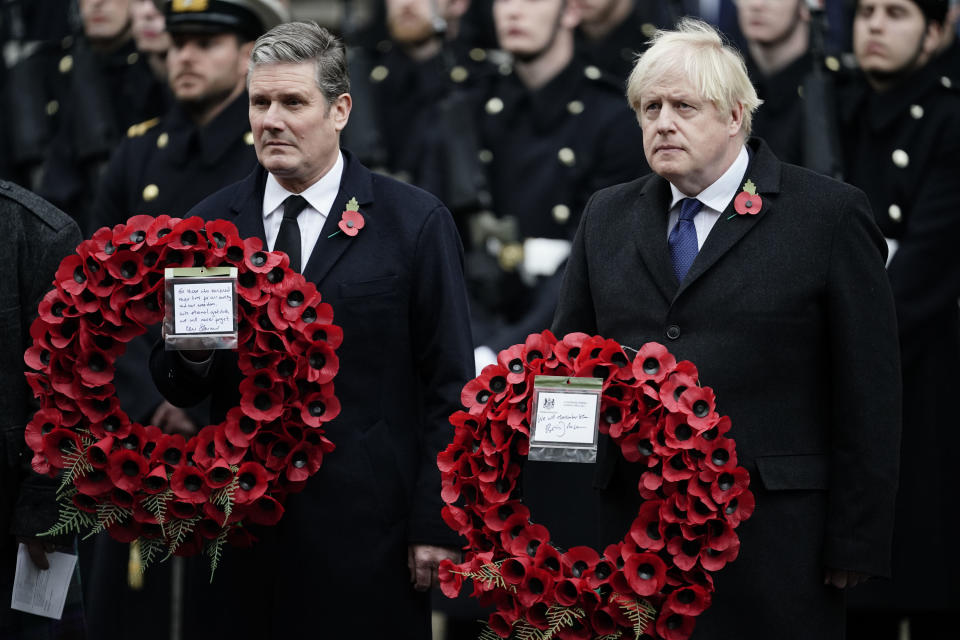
<point x="788" y="316"/>
<point x="337" y="561"/>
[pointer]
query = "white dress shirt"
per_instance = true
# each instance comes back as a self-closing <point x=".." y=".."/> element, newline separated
<point x="715" y="198"/>
<point x="319" y="196"/>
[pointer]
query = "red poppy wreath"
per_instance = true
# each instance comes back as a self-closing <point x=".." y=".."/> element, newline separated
<point x="657" y="580"/>
<point x="178" y="496"/>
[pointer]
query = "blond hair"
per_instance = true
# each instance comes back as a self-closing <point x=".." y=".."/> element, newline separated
<point x="713" y="67"/>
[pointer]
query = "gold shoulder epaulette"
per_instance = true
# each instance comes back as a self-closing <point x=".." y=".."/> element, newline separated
<point x="141" y="128"/>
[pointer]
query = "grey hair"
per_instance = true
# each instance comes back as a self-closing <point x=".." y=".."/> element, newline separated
<point x="297" y="42"/>
<point x="698" y="52"/>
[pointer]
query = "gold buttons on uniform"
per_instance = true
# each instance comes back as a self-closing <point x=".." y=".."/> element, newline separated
<point x="800" y="90"/>
<point x="900" y="158"/>
<point x="916" y="111"/>
<point x="459" y="74"/>
<point x="511" y="255"/>
<point x="248" y="137"/>
<point x="150" y="192"/>
<point x="162" y="140"/>
<point x="894" y="212"/>
<point x="485" y="156"/>
<point x="379" y="73"/>
<point x="945" y="81"/>
<point x="505" y="69"/>
<point x="832" y="63"/>
<point x="494" y="106"/>
<point x="477" y="54"/>
<point x="648" y="29"/>
<point x="575" y="107"/>
<point x="567" y="156"/>
<point x="592" y="72"/>
<point x="66" y="64"/>
<point x="561" y="213"/>
<point x="52" y="107"/>
<point x="133" y="57"/>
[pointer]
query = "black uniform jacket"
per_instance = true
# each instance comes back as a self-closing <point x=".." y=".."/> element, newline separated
<point x="397" y="291"/>
<point x="788" y="316"/>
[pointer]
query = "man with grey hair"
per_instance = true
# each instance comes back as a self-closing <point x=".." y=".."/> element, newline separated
<point x="780" y="299"/>
<point x="365" y="535"/>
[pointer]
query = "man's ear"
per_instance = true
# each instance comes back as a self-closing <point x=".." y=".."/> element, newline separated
<point x="736" y="119"/>
<point x="340" y="111"/>
<point x="570" y="18"/>
<point x="932" y="38"/>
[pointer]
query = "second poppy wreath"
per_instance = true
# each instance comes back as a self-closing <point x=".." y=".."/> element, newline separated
<point x="178" y="496"/>
<point x="693" y="495"/>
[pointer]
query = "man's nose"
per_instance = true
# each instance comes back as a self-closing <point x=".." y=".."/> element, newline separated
<point x="272" y="119"/>
<point x="666" y="119"/>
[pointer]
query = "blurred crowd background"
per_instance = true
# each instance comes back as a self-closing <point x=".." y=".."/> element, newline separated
<point x="513" y="113"/>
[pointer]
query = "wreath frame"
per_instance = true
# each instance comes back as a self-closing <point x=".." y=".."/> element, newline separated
<point x="172" y="495"/>
<point x="658" y="578"/>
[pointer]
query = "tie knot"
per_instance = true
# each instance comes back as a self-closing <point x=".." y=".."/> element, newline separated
<point x="689" y="208"/>
<point x="292" y="207"/>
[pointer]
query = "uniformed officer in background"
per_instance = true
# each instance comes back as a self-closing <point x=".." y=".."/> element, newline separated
<point x="35" y="36"/>
<point x="111" y="87"/>
<point x="150" y="35"/>
<point x="165" y="166"/>
<point x="613" y="32"/>
<point x="551" y="131"/>
<point x="901" y="134"/>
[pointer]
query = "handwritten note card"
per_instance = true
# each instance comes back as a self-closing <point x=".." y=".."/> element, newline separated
<point x="567" y="418"/>
<point x="205" y="307"/>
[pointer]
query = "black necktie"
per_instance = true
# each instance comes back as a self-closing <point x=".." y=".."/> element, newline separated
<point x="288" y="240"/>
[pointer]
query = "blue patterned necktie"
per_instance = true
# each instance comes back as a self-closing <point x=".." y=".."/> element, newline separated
<point x="683" y="238"/>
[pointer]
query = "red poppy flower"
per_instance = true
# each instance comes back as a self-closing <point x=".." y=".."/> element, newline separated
<point x="601" y="619"/>
<point x="260" y="261"/>
<point x="568" y="349"/>
<point x="739" y="509"/>
<point x="85" y="503"/>
<point x="239" y="428"/>
<point x="265" y="510"/>
<point x="98" y="454"/>
<point x="182" y="510"/>
<point x="58" y="443"/>
<point x="43" y="422"/>
<point x="721" y="455"/>
<point x="715" y="559"/>
<point x="218" y="475"/>
<point x="302" y="462"/>
<point x="125" y="531"/>
<point x="537" y="586"/>
<point x="674" y="626"/>
<point x="699" y="406"/>
<point x="727" y="485"/>
<point x="679" y="467"/>
<point x="127" y="266"/>
<point x="514" y="570"/>
<point x="100" y="245"/>
<point x="323" y="362"/>
<point x="252" y="481"/>
<point x="653" y="363"/>
<point x="156" y="481"/>
<point x="678" y="433"/>
<point x="501" y="622"/>
<point x="451" y="579"/>
<point x="645" y="572"/>
<point x="260" y="398"/>
<point x="189" y="485"/>
<point x="673" y="387"/>
<point x="126" y="469"/>
<point x="539" y="346"/>
<point x="226" y="449"/>
<point x="496" y="517"/>
<point x="747" y="203"/>
<point x="95" y="367"/>
<point x="94" y="483"/>
<point x="224" y="241"/>
<point x="205" y="450"/>
<point x="691" y="600"/>
<point x="71" y="275"/>
<point x="351" y="222"/>
<point x="646" y="530"/>
<point x="251" y="287"/>
<point x="186" y="235"/>
<point x="320" y="407"/>
<point x="170" y="450"/>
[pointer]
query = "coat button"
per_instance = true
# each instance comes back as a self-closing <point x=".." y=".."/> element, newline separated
<point x="900" y="158"/>
<point x="673" y="332"/>
<point x="163" y="140"/>
<point x="916" y="111"/>
<point x="150" y="192"/>
<point x="561" y="213"/>
<point x="567" y="157"/>
<point x="575" y="107"/>
<point x="494" y="106"/>
<point x="593" y="72"/>
<point x="66" y="64"/>
<point x="895" y="214"/>
<point x="379" y="73"/>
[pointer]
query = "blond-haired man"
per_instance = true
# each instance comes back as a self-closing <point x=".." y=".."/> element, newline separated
<point x="787" y="313"/>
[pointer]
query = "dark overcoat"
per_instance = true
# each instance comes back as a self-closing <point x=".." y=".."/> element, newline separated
<point x="336" y="563"/>
<point x="788" y="316"/>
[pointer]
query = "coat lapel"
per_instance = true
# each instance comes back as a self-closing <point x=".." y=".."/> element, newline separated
<point x="764" y="171"/>
<point x="247" y="206"/>
<point x="650" y="233"/>
<point x="355" y="183"/>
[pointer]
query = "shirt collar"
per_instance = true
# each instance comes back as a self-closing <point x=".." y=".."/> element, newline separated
<point x="719" y="194"/>
<point x="320" y="195"/>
